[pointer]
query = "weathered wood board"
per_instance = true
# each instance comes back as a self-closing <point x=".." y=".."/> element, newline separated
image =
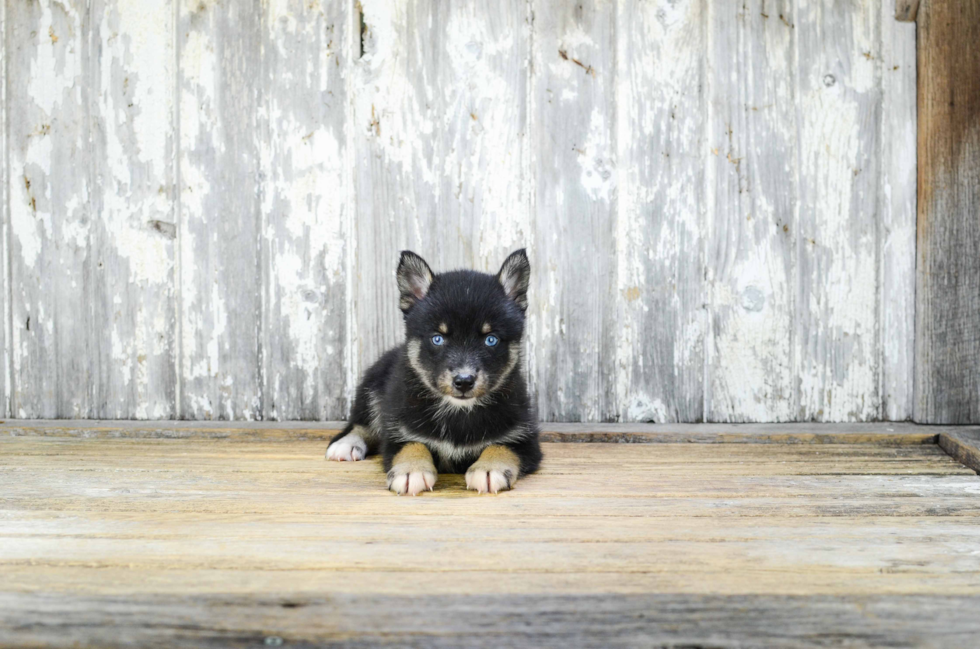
<point x="573" y="166"/>
<point x="837" y="241"/>
<point x="897" y="214"/>
<point x="204" y="203"/>
<point x="222" y="542"/>
<point x="305" y="212"/>
<point x="132" y="214"/>
<point x="676" y="620"/>
<point x="49" y="187"/>
<point x="4" y="227"/>
<point x="889" y="434"/>
<point x="220" y="262"/>
<point x="963" y="445"/>
<point x="91" y="243"/>
<point x="752" y="198"/>
<point x="947" y="353"/>
<point x="660" y="336"/>
<point x="439" y="122"/>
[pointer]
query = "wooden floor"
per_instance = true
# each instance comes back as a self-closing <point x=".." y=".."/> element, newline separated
<point x="204" y="542"/>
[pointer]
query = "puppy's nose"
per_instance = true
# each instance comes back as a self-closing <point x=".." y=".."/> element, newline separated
<point x="464" y="382"/>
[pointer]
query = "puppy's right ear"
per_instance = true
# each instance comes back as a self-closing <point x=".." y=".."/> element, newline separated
<point x="414" y="279"/>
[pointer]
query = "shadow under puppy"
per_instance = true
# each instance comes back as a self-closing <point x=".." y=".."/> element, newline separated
<point x="452" y="398"/>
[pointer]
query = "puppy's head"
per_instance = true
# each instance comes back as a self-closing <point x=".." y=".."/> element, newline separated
<point x="463" y="328"/>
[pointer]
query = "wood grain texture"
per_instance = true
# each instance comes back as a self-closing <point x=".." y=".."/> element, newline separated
<point x="216" y="537"/>
<point x="751" y="195"/>
<point x="220" y="264"/>
<point x="133" y="221"/>
<point x="803" y="433"/>
<point x="947" y="346"/>
<point x="305" y="230"/>
<point x="438" y="136"/>
<point x="963" y="446"/>
<point x="573" y="164"/>
<point x="896" y="212"/>
<point x="836" y="364"/>
<point x="50" y="184"/>
<point x="660" y="232"/>
<point x="91" y="246"/>
<point x="475" y="621"/>
<point x="641" y="433"/>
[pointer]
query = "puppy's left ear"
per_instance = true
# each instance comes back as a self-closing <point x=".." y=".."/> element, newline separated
<point x="515" y="276"/>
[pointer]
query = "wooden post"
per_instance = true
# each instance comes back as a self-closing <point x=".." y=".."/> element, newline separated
<point x="947" y="345"/>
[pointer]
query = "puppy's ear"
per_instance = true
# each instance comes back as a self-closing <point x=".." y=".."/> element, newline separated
<point x="414" y="279"/>
<point x="514" y="276"/>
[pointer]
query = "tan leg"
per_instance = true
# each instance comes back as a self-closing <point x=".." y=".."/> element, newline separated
<point x="412" y="470"/>
<point x="495" y="470"/>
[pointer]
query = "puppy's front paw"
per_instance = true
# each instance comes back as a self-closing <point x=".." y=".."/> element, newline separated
<point x="349" y="448"/>
<point x="412" y="470"/>
<point x="412" y="480"/>
<point x="496" y="470"/>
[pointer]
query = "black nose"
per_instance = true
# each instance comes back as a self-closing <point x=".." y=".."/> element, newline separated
<point x="464" y="382"/>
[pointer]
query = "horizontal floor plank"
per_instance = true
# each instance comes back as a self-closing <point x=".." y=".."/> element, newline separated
<point x="963" y="445"/>
<point x="140" y="578"/>
<point x="541" y="620"/>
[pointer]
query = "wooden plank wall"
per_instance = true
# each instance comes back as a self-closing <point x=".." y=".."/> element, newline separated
<point x="204" y="201"/>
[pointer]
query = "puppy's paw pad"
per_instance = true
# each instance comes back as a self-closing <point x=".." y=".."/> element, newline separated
<point x="411" y="481"/>
<point x="349" y="448"/>
<point x="484" y="479"/>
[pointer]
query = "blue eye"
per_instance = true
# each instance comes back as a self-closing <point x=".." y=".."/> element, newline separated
<point x="491" y="341"/>
<point x="438" y="340"/>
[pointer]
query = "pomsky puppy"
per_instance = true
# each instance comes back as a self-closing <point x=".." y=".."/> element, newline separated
<point x="452" y="398"/>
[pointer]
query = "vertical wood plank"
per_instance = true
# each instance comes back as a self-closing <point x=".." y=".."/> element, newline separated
<point x="660" y="234"/>
<point x="751" y="195"/>
<point x="438" y="132"/>
<point x="133" y="227"/>
<point x="304" y="201"/>
<point x="219" y="74"/>
<point x="896" y="209"/>
<point x="5" y="360"/>
<point x="947" y="347"/>
<point x="838" y="106"/>
<point x="50" y="184"/>
<point x="91" y="213"/>
<point x="573" y="162"/>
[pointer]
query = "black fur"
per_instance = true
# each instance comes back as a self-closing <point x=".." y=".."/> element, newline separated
<point x="401" y="399"/>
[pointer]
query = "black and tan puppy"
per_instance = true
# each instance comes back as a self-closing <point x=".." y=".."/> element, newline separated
<point x="452" y="398"/>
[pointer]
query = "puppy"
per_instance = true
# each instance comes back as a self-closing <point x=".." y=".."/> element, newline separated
<point x="452" y="398"/>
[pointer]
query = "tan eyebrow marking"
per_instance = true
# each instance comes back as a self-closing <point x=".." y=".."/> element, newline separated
<point x="443" y="329"/>
<point x="486" y="327"/>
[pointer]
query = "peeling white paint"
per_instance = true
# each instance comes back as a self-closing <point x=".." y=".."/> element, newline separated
<point x="836" y="356"/>
<point x="701" y="228"/>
